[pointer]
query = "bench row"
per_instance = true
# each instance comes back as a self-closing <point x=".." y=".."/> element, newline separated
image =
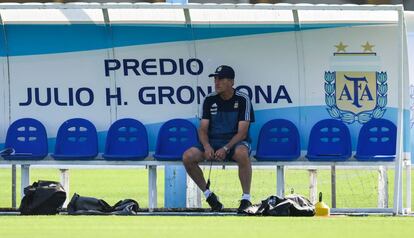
<point x="127" y="139"/>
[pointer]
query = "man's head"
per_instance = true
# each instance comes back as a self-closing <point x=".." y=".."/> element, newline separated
<point x="223" y="79"/>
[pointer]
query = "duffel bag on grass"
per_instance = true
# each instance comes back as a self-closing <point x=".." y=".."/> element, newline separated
<point x="81" y="205"/>
<point x="291" y="205"/>
<point x="42" y="198"/>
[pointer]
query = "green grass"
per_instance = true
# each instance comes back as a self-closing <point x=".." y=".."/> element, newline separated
<point x="156" y="226"/>
<point x="355" y="188"/>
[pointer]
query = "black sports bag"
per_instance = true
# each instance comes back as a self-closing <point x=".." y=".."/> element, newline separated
<point x="42" y="198"/>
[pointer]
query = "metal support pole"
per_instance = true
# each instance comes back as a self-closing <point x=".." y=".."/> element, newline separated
<point x="64" y="180"/>
<point x="25" y="178"/>
<point x="382" y="187"/>
<point x="193" y="194"/>
<point x="333" y="186"/>
<point x="313" y="185"/>
<point x="408" y="186"/>
<point x="280" y="174"/>
<point x="398" y="197"/>
<point x="13" y="188"/>
<point x="152" y="187"/>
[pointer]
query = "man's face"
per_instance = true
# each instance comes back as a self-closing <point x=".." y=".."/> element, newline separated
<point x="223" y="84"/>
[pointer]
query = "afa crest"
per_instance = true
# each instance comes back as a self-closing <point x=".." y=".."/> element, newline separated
<point x="355" y="89"/>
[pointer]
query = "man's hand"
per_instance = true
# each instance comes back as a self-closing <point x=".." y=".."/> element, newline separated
<point x="220" y="154"/>
<point x="208" y="152"/>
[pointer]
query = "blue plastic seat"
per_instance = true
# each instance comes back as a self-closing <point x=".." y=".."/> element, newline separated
<point x="175" y="137"/>
<point x="329" y="140"/>
<point x="377" y="141"/>
<point x="278" y="141"/>
<point x="76" y="140"/>
<point x="27" y="136"/>
<point x="127" y="139"/>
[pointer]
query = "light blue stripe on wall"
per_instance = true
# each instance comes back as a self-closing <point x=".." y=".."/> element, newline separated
<point x="47" y="39"/>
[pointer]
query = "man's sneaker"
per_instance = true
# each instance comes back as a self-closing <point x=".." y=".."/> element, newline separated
<point x="244" y="203"/>
<point x="214" y="203"/>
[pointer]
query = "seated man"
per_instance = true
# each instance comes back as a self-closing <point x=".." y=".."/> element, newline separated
<point x="224" y="135"/>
